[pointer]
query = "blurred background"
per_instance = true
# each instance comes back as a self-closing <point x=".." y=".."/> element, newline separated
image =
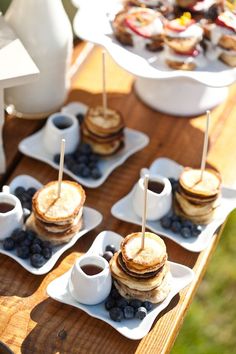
<point x="210" y="324"/>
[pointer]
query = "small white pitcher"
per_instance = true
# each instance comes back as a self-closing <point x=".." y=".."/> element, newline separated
<point x="90" y="289"/>
<point x="12" y="219"/>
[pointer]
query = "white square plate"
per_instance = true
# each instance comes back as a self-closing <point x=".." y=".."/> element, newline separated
<point x="133" y="329"/>
<point x="91" y="219"/>
<point x="123" y="210"/>
<point x="134" y="141"/>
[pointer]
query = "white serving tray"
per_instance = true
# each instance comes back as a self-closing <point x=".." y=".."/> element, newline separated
<point x="91" y="219"/>
<point x="123" y="210"/>
<point x="132" y="329"/>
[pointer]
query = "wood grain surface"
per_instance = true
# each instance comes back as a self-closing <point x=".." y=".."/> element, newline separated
<point x="31" y="322"/>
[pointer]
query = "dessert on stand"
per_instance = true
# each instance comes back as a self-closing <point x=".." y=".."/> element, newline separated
<point x="177" y="92"/>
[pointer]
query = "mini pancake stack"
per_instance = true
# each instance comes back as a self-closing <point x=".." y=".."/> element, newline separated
<point x="141" y="274"/>
<point x="196" y="199"/>
<point x="105" y="134"/>
<point x="57" y="219"/>
<point x="220" y="36"/>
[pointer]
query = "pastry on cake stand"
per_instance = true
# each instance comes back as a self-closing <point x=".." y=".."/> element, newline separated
<point x="176" y="92"/>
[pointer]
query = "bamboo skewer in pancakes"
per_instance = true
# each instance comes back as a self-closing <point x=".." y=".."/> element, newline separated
<point x="57" y="209"/>
<point x="198" y="193"/>
<point x="103" y="128"/>
<point x="140" y="269"/>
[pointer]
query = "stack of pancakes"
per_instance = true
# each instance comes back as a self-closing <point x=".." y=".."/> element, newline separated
<point x="141" y="274"/>
<point x="57" y="219"/>
<point x="105" y="133"/>
<point x="196" y="199"/>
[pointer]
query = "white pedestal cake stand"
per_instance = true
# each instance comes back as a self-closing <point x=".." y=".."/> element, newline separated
<point x="176" y="92"/>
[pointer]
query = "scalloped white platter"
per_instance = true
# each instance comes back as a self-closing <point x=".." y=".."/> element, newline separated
<point x="32" y="146"/>
<point x="132" y="329"/>
<point x="95" y="26"/>
<point x="91" y="219"/>
<point x="123" y="210"/>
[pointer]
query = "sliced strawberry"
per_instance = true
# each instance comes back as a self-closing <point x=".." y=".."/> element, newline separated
<point x="193" y="53"/>
<point x="179" y="26"/>
<point x="139" y="22"/>
<point x="227" y="19"/>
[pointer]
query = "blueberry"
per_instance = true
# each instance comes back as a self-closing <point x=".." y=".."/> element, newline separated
<point x="26" y="242"/>
<point x="115" y="294"/>
<point x="37" y="241"/>
<point x="187" y="223"/>
<point x="166" y="222"/>
<point x="23" y="252"/>
<point x="186" y="232"/>
<point x="110" y="248"/>
<point x="18" y="235"/>
<point x="24" y="197"/>
<point x="56" y="158"/>
<point x="175" y="218"/>
<point x="46" y="244"/>
<point x="197" y="229"/>
<point x="35" y="248"/>
<point x="47" y="253"/>
<point x="80" y="117"/>
<point x="37" y="260"/>
<point x="77" y="169"/>
<point x="121" y="302"/>
<point x="135" y="303"/>
<point x="141" y="313"/>
<point x="128" y="312"/>
<point x="27" y="205"/>
<point x="107" y="255"/>
<point x="82" y="159"/>
<point x="85" y="149"/>
<point x="109" y="303"/>
<point x="69" y="160"/>
<point x="173" y="180"/>
<point x="148" y="305"/>
<point x="8" y="244"/>
<point x="31" y="191"/>
<point x="176" y="226"/>
<point x="19" y="191"/>
<point x="85" y="172"/>
<point x="31" y="235"/>
<point x="96" y="173"/>
<point x="116" y="314"/>
<point x="93" y="158"/>
<point x="26" y="213"/>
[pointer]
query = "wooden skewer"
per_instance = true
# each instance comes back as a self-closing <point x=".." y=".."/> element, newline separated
<point x="104" y="91"/>
<point x="205" y="145"/>
<point x="144" y="210"/>
<point x="60" y="174"/>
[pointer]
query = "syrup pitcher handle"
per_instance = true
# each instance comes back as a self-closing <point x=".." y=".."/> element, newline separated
<point x="6" y="189"/>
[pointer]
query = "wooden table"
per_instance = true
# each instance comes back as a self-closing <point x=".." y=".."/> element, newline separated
<point x="31" y="322"/>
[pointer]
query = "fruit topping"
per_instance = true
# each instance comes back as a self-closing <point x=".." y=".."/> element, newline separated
<point x="141" y="313"/>
<point x="185" y="228"/>
<point x="116" y="314"/>
<point x="227" y="19"/>
<point x="25" y="196"/>
<point x="140" y="22"/>
<point x="180" y="24"/>
<point x="193" y="52"/>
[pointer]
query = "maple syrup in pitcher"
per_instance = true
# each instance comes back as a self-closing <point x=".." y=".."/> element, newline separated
<point x="155" y="186"/>
<point x="5" y="207"/>
<point x="91" y="269"/>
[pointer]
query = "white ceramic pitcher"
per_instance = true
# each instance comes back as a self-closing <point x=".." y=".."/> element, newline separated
<point x="45" y="31"/>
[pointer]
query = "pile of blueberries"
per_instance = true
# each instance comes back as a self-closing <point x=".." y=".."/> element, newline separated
<point x="120" y="308"/>
<point x="27" y="245"/>
<point x="25" y="196"/>
<point x="83" y="162"/>
<point x="175" y="223"/>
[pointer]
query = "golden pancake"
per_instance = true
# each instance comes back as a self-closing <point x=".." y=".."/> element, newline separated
<point x="136" y="283"/>
<point x="54" y="238"/>
<point x="101" y="139"/>
<point x="203" y="219"/>
<point x="138" y="260"/>
<point x="49" y="208"/>
<point x="190" y="180"/>
<point x="104" y="149"/>
<point x="99" y="124"/>
<point x="155" y="295"/>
